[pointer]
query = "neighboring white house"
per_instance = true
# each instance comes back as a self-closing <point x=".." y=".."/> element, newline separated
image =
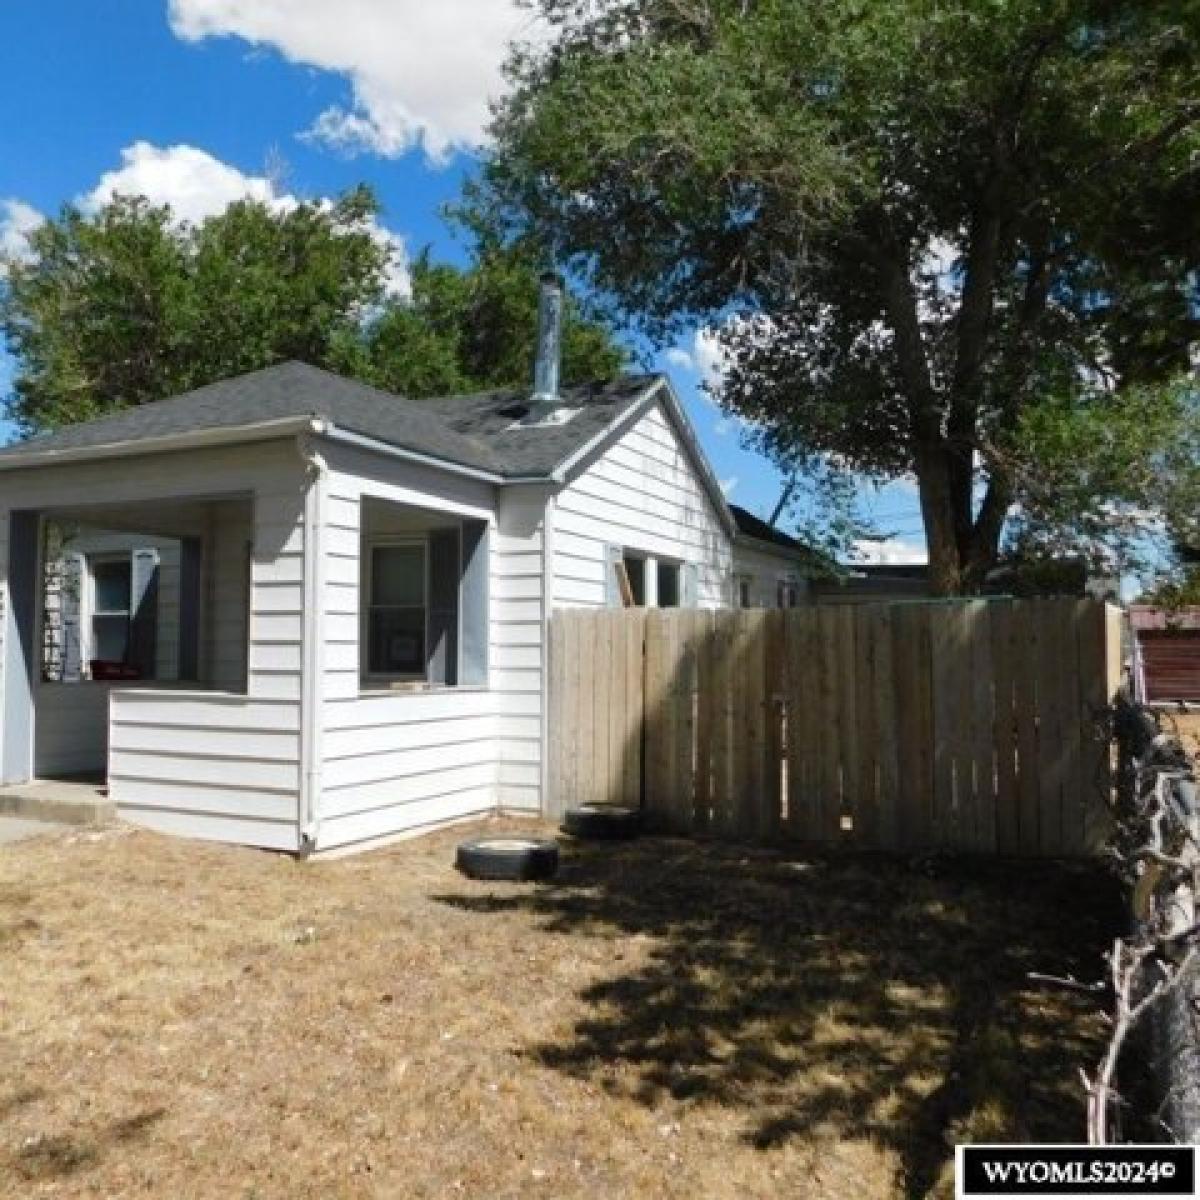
<point x="770" y="568"/>
<point x="350" y="594"/>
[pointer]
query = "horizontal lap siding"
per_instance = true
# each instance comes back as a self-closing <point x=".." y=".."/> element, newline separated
<point x="392" y="763"/>
<point x="644" y="494"/>
<point x="213" y="766"/>
<point x="226" y="765"/>
<point x="764" y="571"/>
<point x="517" y="646"/>
<point x="229" y="533"/>
<point x="71" y="730"/>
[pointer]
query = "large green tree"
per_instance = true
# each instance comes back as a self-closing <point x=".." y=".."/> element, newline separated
<point x="945" y="240"/>
<point x="467" y="330"/>
<point x="127" y="305"/>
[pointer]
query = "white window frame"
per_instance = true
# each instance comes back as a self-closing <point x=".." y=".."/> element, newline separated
<point x="375" y="680"/>
<point x="88" y="619"/>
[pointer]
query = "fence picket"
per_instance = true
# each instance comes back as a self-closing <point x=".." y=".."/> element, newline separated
<point x="886" y="725"/>
<point x="862" y="679"/>
<point x="968" y="726"/>
<point x="1004" y="729"/>
<point x="983" y="723"/>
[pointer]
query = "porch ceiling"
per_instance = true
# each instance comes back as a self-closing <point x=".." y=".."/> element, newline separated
<point x="166" y="517"/>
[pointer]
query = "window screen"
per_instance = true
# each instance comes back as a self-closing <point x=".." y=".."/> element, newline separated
<point x="396" y="617"/>
<point x="668" y="585"/>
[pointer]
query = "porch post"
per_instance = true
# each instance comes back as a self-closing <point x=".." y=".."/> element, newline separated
<point x="20" y="647"/>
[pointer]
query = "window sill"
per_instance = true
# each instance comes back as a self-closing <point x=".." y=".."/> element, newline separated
<point x="419" y="689"/>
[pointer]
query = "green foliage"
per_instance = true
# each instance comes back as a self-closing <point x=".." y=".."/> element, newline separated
<point x="1109" y="472"/>
<point x="1175" y="592"/>
<point x="914" y="221"/>
<point x="127" y="305"/>
<point x="465" y="331"/>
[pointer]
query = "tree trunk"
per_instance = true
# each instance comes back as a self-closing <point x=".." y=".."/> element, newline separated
<point x="958" y="560"/>
<point x="937" y="515"/>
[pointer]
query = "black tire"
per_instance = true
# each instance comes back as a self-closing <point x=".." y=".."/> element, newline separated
<point x="511" y="858"/>
<point x="603" y="821"/>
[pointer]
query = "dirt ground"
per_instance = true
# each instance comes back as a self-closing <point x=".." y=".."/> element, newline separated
<point x="1184" y="726"/>
<point x="666" y="1019"/>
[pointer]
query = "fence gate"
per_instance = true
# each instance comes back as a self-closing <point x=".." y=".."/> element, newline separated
<point x="963" y="725"/>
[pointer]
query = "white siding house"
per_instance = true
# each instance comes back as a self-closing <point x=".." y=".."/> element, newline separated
<point x="352" y="594"/>
<point x="770" y="569"/>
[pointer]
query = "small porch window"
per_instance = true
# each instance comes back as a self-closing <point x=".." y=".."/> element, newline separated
<point x="112" y="608"/>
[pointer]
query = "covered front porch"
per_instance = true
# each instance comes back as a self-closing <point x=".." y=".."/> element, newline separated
<point x="152" y="636"/>
<point x="135" y="597"/>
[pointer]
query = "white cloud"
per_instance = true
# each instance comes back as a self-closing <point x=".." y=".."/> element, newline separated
<point x="422" y="71"/>
<point x="196" y="185"/>
<point x="17" y="221"/>
<point x="727" y="485"/>
<point x="709" y="355"/>
<point x="892" y="552"/>
<point x="704" y="356"/>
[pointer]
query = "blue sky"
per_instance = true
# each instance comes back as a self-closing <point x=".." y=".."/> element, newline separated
<point x="197" y="101"/>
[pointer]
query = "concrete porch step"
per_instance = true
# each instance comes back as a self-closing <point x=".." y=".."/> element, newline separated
<point x="60" y="801"/>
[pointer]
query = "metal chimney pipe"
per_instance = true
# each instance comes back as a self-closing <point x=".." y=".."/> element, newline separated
<point x="548" y="361"/>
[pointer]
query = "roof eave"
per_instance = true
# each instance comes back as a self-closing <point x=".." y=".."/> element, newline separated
<point x="194" y="439"/>
<point x="800" y="553"/>
<point x="361" y="441"/>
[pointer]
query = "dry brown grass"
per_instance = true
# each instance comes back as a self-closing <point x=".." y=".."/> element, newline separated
<point x="667" y="1019"/>
<point x="1186" y="727"/>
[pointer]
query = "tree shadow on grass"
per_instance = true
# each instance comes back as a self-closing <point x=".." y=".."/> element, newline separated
<point x="56" y="1156"/>
<point x="851" y="996"/>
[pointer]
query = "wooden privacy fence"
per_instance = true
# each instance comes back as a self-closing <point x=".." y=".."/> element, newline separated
<point x="960" y="725"/>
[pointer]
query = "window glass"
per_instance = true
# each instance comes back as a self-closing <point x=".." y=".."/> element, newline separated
<point x="112" y="586"/>
<point x="668" y="585"/>
<point x="635" y="569"/>
<point x="398" y="575"/>
<point x="397" y="641"/>
<point x="743" y="592"/>
<point x="114" y="582"/>
<point x="397" y="616"/>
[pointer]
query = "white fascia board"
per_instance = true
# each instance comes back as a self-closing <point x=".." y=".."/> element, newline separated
<point x="196" y="439"/>
<point x="362" y="442"/>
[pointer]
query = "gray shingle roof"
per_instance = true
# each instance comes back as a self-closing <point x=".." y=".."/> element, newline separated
<point x="755" y="527"/>
<point x="748" y="525"/>
<point x="472" y="431"/>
